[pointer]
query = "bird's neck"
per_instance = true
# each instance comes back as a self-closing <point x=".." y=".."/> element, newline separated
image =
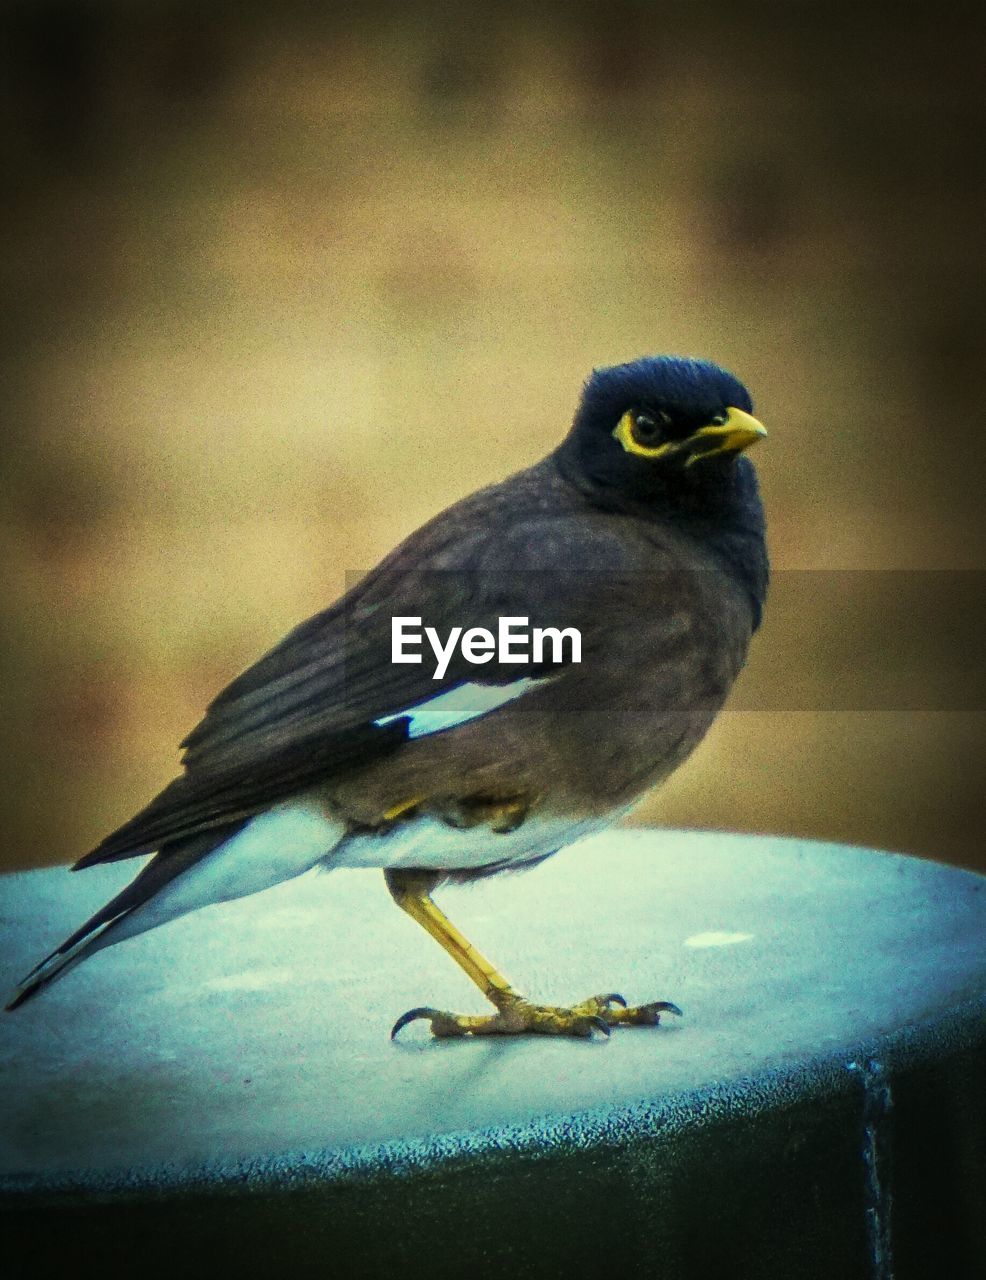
<point x="723" y="515"/>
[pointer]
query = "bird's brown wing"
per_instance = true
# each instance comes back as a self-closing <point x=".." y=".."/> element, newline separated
<point x="322" y="702"/>
<point x="328" y="699"/>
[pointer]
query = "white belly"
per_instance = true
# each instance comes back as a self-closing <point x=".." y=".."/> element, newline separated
<point x="293" y="837"/>
<point x="429" y="843"/>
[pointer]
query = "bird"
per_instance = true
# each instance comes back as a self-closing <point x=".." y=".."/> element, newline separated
<point x="641" y="536"/>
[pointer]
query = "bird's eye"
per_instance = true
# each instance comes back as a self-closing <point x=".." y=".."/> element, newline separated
<point x="648" y="428"/>
<point x="719" y="420"/>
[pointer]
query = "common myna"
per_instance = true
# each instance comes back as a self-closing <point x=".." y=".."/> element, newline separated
<point x="510" y="678"/>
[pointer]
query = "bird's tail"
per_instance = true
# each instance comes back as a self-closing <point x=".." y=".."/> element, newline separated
<point x="112" y="923"/>
<point x="55" y="966"/>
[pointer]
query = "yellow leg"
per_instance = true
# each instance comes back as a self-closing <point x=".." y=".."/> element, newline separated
<point x="412" y="893"/>
<point x="515" y="1015"/>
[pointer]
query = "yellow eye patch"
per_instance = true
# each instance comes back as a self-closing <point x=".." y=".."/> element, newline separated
<point x="737" y="432"/>
<point x="624" y="433"/>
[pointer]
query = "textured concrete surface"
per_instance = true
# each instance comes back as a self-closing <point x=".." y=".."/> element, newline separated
<point x="246" y="1047"/>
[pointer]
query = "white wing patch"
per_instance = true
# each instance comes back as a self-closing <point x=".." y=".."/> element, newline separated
<point x="459" y="705"/>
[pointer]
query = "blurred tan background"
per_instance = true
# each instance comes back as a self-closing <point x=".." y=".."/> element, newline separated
<point x="280" y="282"/>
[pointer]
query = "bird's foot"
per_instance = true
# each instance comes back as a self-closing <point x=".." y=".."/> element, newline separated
<point x="517" y="1016"/>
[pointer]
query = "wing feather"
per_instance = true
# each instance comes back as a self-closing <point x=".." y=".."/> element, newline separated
<point x="323" y="702"/>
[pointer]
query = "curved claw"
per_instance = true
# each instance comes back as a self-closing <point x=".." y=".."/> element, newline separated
<point x="665" y="1006"/>
<point x="649" y="1015"/>
<point x="598" y="1024"/>
<point x="613" y="997"/>
<point x="412" y="1015"/>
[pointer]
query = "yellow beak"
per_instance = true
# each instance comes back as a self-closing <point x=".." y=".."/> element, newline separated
<point x="738" y="432"/>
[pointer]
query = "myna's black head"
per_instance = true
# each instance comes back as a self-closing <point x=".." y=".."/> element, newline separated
<point x="663" y="430"/>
